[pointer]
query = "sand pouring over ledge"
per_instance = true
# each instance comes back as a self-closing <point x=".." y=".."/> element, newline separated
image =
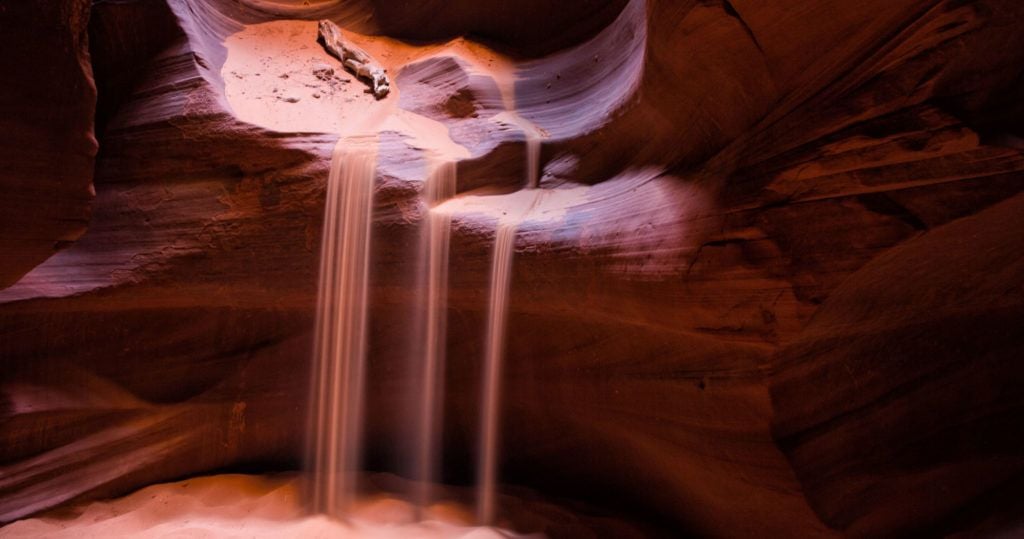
<point x="276" y="77"/>
<point x="336" y="427"/>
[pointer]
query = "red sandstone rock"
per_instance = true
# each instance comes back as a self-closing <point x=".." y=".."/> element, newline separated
<point x="788" y="305"/>
<point x="47" y="145"/>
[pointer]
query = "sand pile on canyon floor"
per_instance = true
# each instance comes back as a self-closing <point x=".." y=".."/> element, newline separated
<point x="244" y="506"/>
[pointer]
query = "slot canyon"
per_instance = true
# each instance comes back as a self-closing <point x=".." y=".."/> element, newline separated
<point x="495" y="268"/>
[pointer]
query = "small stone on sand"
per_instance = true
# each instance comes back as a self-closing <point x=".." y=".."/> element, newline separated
<point x="323" y="71"/>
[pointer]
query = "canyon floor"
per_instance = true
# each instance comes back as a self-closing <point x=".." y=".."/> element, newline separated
<point x="236" y="505"/>
<point x="271" y="506"/>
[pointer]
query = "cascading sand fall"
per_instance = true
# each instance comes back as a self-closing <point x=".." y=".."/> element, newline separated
<point x="497" y="315"/>
<point x="439" y="187"/>
<point x="335" y="442"/>
<point x="338" y="388"/>
<point x="501" y="278"/>
<point x="532" y="160"/>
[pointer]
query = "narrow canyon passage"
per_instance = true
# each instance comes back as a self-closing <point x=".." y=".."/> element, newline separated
<point x="615" y="268"/>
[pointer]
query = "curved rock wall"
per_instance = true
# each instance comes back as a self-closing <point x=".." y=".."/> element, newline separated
<point x="47" y="145"/>
<point x="772" y="290"/>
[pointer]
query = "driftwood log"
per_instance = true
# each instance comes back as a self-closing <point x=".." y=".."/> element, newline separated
<point x="353" y="58"/>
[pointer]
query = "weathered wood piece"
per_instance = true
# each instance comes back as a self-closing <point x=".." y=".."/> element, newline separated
<point x="353" y="58"/>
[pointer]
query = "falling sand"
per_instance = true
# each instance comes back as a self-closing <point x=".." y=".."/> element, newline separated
<point x="501" y="277"/>
<point x="440" y="187"/>
<point x="340" y="339"/>
<point x="277" y="76"/>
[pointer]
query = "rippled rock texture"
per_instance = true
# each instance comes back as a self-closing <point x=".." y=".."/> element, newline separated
<point x="776" y="288"/>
